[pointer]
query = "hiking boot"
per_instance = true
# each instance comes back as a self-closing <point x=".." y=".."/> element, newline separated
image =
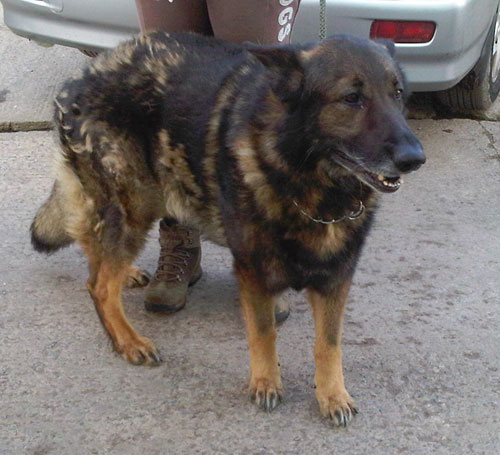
<point x="178" y="267"/>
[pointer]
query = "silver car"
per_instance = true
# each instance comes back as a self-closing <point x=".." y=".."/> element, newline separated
<point x="448" y="46"/>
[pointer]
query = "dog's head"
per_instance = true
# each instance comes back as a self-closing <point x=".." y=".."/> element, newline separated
<point x="351" y="99"/>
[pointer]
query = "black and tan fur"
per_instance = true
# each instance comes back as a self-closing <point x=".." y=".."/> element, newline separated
<point x="239" y="141"/>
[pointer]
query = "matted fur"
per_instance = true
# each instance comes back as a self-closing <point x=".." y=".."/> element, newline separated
<point x="241" y="142"/>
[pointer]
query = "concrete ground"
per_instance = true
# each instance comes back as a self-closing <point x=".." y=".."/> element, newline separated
<point x="421" y="338"/>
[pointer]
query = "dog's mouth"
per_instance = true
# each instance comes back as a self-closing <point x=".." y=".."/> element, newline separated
<point x="379" y="182"/>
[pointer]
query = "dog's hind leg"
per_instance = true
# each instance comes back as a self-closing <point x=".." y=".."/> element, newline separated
<point x="265" y="387"/>
<point x="107" y="277"/>
<point x="136" y="277"/>
<point x="333" y="398"/>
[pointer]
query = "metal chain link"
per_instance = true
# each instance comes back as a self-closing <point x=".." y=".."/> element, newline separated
<point x="322" y="19"/>
<point x="351" y="216"/>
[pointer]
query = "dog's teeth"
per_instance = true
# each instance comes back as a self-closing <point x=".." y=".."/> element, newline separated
<point x="391" y="184"/>
<point x="381" y="178"/>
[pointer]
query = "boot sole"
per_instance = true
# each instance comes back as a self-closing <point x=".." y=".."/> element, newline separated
<point x="165" y="307"/>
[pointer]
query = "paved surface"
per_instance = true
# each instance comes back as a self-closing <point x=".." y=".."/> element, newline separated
<point x="421" y="343"/>
<point x="29" y="79"/>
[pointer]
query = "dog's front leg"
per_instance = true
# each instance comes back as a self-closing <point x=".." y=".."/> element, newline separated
<point x="265" y="387"/>
<point x="333" y="398"/>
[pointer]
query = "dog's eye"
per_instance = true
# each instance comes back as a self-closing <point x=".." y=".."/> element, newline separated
<point x="353" y="99"/>
<point x="399" y="93"/>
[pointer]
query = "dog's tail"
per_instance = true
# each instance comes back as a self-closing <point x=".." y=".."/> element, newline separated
<point x="47" y="229"/>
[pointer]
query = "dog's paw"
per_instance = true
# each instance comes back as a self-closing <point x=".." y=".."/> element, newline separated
<point x="137" y="278"/>
<point x="266" y="394"/>
<point x="139" y="351"/>
<point x="339" y="408"/>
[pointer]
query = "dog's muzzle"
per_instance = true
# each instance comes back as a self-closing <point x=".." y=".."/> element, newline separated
<point x="408" y="156"/>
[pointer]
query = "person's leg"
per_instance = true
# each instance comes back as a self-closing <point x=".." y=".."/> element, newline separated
<point x="175" y="16"/>
<point x="258" y="21"/>
<point x="180" y="251"/>
<point x="178" y="267"/>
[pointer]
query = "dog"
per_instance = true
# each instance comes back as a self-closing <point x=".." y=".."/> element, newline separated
<point x="277" y="152"/>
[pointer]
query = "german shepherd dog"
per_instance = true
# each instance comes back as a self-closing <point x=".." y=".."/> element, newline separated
<point x="276" y="152"/>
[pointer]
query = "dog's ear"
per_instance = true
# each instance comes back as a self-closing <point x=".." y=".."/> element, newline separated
<point x="279" y="55"/>
<point x="283" y="62"/>
<point x="389" y="45"/>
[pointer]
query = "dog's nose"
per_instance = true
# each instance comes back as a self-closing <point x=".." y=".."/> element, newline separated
<point x="409" y="156"/>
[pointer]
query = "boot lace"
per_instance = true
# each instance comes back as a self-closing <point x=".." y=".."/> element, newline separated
<point x="173" y="260"/>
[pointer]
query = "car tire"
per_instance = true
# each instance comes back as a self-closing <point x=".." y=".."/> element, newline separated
<point x="479" y="89"/>
<point x="89" y="53"/>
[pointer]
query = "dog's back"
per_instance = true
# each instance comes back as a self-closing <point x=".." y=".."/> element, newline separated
<point x="138" y="116"/>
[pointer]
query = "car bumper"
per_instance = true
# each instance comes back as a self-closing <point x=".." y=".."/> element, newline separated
<point x="460" y="32"/>
<point x="461" y="29"/>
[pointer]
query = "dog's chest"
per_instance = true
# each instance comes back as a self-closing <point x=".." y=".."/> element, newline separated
<point x="321" y="241"/>
<point x="299" y="258"/>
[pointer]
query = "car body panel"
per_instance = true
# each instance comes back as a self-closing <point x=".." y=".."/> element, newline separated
<point x="91" y="25"/>
<point x="462" y="27"/>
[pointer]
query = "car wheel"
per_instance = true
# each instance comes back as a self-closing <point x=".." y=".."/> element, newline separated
<point x="479" y="89"/>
